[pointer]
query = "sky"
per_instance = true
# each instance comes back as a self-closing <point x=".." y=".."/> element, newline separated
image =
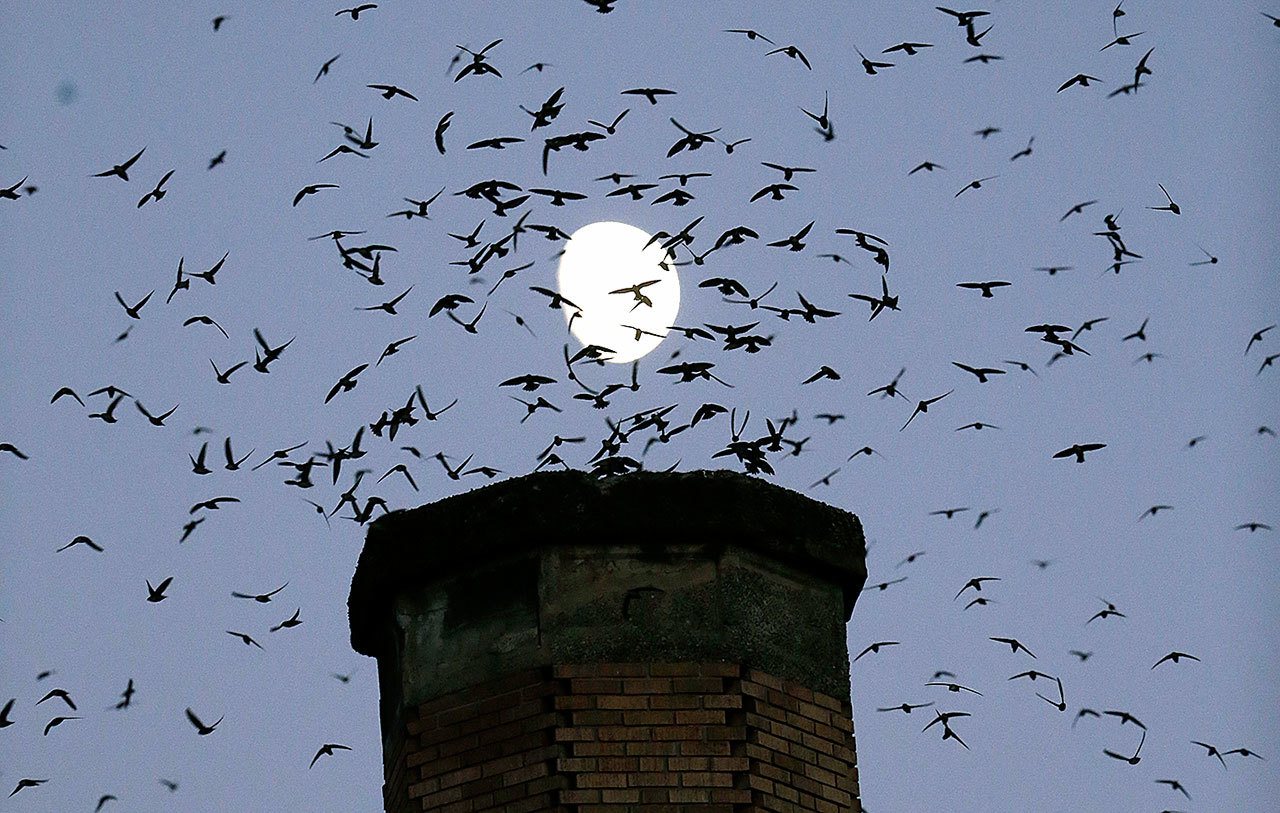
<point x="85" y="90"/>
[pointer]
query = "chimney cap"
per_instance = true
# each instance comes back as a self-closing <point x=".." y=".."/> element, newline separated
<point x="406" y="548"/>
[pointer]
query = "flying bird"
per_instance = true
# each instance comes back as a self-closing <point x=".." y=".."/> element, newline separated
<point x="354" y="12"/>
<point x="261" y="598"/>
<point x="923" y="406"/>
<point x="156" y="594"/>
<point x="324" y="69"/>
<point x="201" y="728"/>
<point x="1081" y="79"/>
<point x="1079" y="450"/>
<point x="82" y="540"/>
<point x="327" y="750"/>
<point x="1175" y="657"/>
<point x="121" y="171"/>
<point x="391" y="91"/>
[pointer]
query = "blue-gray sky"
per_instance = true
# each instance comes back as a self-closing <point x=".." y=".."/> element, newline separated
<point x="86" y="88"/>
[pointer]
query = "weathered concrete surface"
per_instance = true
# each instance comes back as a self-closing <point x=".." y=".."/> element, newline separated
<point x="561" y="567"/>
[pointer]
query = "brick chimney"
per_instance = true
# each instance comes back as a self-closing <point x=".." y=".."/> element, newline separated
<point x="651" y="642"/>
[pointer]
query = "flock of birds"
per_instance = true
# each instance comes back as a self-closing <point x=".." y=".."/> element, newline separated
<point x="512" y="217"/>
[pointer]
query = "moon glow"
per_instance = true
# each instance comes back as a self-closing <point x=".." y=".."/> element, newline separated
<point x="628" y="301"/>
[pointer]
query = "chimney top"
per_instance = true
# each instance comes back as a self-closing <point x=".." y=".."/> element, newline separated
<point x="647" y="509"/>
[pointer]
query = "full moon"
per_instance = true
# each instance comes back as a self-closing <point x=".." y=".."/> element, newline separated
<point x="618" y="296"/>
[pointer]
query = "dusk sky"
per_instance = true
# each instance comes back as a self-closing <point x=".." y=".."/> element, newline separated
<point x="1188" y="426"/>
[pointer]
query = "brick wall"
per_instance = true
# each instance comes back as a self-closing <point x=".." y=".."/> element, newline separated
<point x="597" y="738"/>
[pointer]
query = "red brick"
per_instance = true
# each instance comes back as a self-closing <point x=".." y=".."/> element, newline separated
<point x="788" y="762"/>
<point x="540" y="802"/>
<point x="653" y="738"/>
<point x="750" y="688"/>
<point x="729" y="763"/>
<point x="722" y="701"/>
<point x="546" y="783"/>
<point x="624" y="669"/>
<point x="691" y="795"/>
<point x="842" y="707"/>
<point x="702" y="685"/>
<point x="804" y="784"/>
<point x="439" y="766"/>
<point x="782" y="699"/>
<point x="816" y="712"/>
<point x="502" y="764"/>
<point x="678" y="732"/>
<point x="726" y="732"/>
<point x="601" y="780"/>
<point x="760" y="783"/>
<point x="675" y="669"/>
<point x="649" y="685"/>
<point x="573" y="670"/>
<point x="824" y="747"/>
<point x="784" y="731"/>
<point x="574" y="701"/>
<point x="829" y="733"/>
<point x="422" y="723"/>
<point x="705" y="749"/>
<point x="443" y="797"/>
<point x="465" y="806"/>
<point x="530" y="741"/>
<point x="577" y="764"/>
<point x="649" y="717"/>
<point x="528" y="772"/>
<point x="536" y="723"/>
<point x="654" y="780"/>
<point x="456" y="715"/>
<point x="489" y="705"/>
<point x="833" y="765"/>
<point x="422" y="789"/>
<point x="521" y="710"/>
<point x="456" y="745"/>
<point x="622" y="764"/>
<point x="673" y="701"/>
<point x="573" y="733"/>
<point x="778" y="775"/>
<point x="622" y="701"/>
<point x="458" y="777"/>
<point x="600" y="685"/>
<point x="711" y="717"/>
<point x="615" y="733"/>
<point x="764" y="678"/>
<point x="801" y="722"/>
<point x="806" y="755"/>
<point x="593" y="717"/>
<point x="838" y="796"/>
<point x="590" y="749"/>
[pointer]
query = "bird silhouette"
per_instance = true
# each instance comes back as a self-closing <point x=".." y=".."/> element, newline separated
<point x="201" y="728"/>
<point x="923" y="407"/>
<point x="156" y="594"/>
<point x="1079" y="450"/>
<point x="1132" y="760"/>
<point x="121" y="170"/>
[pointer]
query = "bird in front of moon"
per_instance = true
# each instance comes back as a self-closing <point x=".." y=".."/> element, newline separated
<point x="619" y="292"/>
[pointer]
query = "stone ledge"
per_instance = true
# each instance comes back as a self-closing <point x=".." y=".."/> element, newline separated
<point x="407" y="549"/>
